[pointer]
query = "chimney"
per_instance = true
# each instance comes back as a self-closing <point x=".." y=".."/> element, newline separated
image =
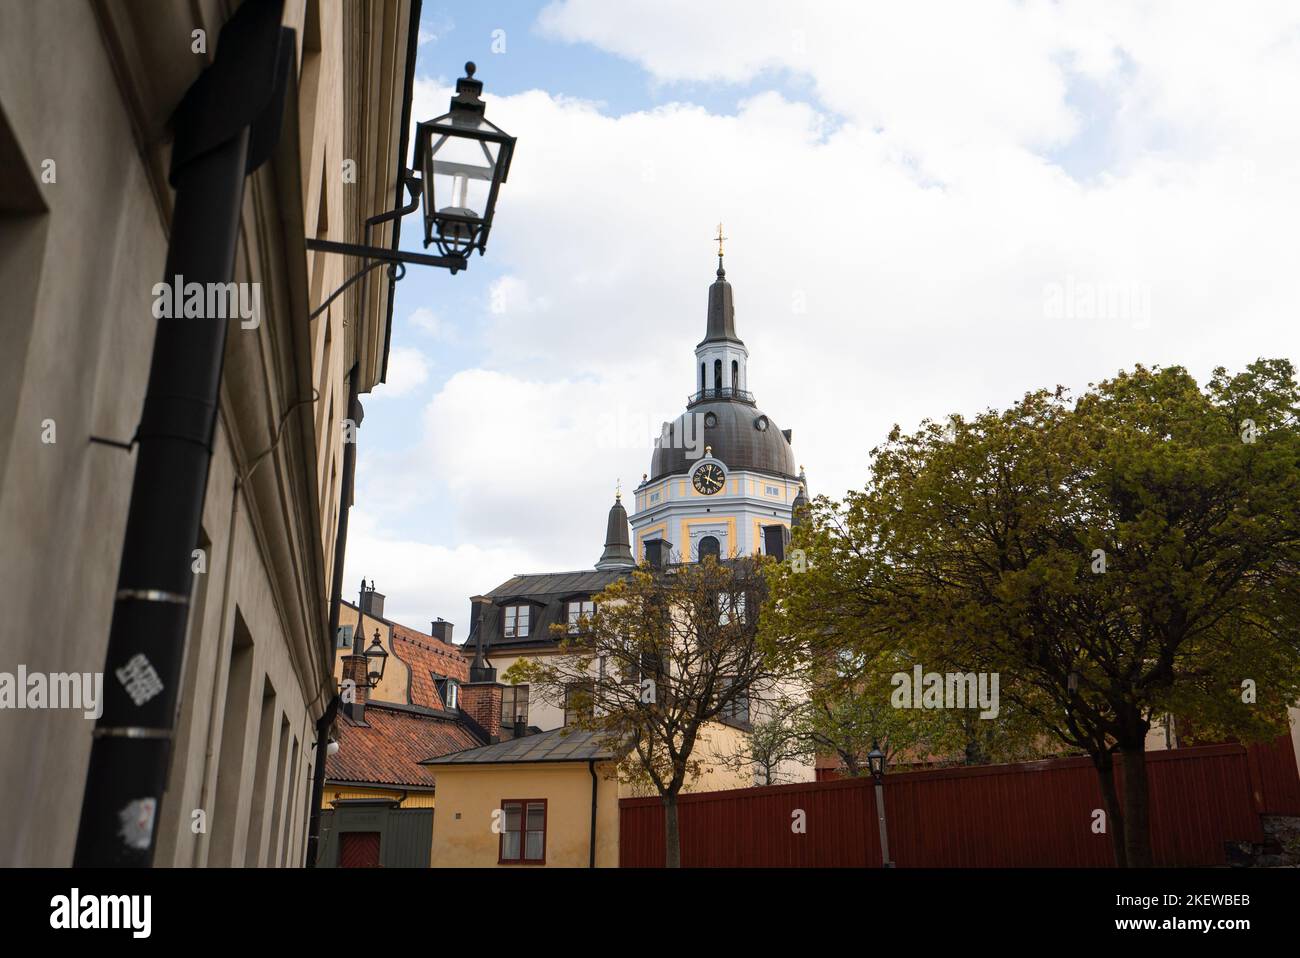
<point x="440" y="629"/>
<point x="658" y="553"/>
<point x="356" y="668"/>
<point x="481" y="702"/>
<point x="775" y="539"/>
<point x="373" y="602"/>
<point x="521" y="727"/>
<point x="479" y="670"/>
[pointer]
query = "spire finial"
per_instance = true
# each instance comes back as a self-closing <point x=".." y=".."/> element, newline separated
<point x="721" y="272"/>
<point x="618" y="489"/>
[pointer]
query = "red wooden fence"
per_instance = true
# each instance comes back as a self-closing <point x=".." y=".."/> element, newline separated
<point x="1033" y="814"/>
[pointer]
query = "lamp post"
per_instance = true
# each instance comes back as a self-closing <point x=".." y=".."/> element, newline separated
<point x="876" y="762"/>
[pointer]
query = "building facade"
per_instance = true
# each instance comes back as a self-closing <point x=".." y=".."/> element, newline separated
<point x="87" y="90"/>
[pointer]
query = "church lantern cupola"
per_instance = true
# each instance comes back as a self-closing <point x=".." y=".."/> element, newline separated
<point x="721" y="355"/>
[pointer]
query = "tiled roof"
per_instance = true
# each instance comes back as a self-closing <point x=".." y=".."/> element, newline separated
<point x="553" y="746"/>
<point x="426" y="656"/>
<point x="388" y="749"/>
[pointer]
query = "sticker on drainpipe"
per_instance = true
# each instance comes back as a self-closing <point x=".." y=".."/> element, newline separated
<point x="137" y="822"/>
<point x="140" y="679"/>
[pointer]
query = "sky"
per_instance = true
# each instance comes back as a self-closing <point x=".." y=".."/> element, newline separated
<point x="931" y="208"/>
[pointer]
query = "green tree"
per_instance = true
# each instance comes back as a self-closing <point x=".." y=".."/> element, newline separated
<point x="1128" y="555"/>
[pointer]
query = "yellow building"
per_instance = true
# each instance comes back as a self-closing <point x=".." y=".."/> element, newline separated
<point x="548" y="800"/>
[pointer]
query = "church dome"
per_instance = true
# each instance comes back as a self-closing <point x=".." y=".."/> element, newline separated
<point x="742" y="437"/>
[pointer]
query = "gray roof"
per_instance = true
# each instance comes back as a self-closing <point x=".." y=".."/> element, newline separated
<point x="546" y="593"/>
<point x="618" y="547"/>
<point x="735" y="438"/>
<point x="553" y="746"/>
<point x="541" y="585"/>
<point x="721" y="327"/>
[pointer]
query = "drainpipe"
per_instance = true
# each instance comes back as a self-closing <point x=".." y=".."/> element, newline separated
<point x="225" y="127"/>
<point x="591" y="856"/>
<point x="336" y="601"/>
<point x="318" y="780"/>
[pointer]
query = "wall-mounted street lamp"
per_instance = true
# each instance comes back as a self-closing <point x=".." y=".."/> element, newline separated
<point x="461" y="160"/>
<point x="876" y="763"/>
<point x="376" y="661"/>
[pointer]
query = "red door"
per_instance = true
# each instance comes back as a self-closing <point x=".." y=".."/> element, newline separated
<point x="359" y="850"/>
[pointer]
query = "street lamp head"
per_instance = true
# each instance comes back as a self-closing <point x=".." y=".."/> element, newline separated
<point x="463" y="159"/>
<point x="376" y="661"/>
<point x="876" y="762"/>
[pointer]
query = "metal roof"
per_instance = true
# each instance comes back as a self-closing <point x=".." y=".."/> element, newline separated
<point x="554" y="746"/>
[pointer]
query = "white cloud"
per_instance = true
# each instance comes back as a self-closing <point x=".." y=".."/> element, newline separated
<point x="430" y="323"/>
<point x="407" y="369"/>
<point x="423" y="580"/>
<point x="894" y="245"/>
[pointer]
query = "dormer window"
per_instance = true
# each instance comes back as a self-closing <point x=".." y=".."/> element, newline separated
<point x="448" y="690"/>
<point x="515" y="621"/>
<point x="578" y="608"/>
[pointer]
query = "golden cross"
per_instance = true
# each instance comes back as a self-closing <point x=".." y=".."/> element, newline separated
<point x="618" y="489"/>
<point x="720" y="238"/>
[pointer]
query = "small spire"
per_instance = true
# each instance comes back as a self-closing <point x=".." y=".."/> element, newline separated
<point x="618" y="544"/>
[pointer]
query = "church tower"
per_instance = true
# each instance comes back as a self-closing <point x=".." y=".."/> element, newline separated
<point x="722" y="474"/>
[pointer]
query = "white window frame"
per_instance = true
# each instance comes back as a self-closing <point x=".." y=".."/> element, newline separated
<point x="586" y="607"/>
<point x="512" y="613"/>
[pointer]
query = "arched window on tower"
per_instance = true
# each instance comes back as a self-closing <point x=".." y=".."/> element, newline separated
<point x="735" y="374"/>
<point x="717" y="375"/>
<point x="703" y="382"/>
<point x="709" y="547"/>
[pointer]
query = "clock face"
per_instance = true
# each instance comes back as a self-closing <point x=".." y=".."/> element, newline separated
<point x="709" y="479"/>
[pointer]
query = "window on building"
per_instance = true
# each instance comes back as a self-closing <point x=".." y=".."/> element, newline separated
<point x="717" y="375"/>
<point x="577" y="609"/>
<point x="523" y="832"/>
<point x="731" y="607"/>
<point x="344" y="637"/>
<point x="448" y="691"/>
<point x="514" y="705"/>
<point x="737" y="710"/>
<point x="516" y="621"/>
<point x="709" y="546"/>
<point x="577" y="702"/>
<point x="735" y="374"/>
<point x="773" y="490"/>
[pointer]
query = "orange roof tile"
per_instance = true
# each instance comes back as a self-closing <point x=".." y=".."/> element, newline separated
<point x="388" y="749"/>
<point x="424" y="656"/>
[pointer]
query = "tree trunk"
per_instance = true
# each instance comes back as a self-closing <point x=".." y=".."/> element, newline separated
<point x="672" y="835"/>
<point x="1137" y="821"/>
<point x="1105" y="765"/>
